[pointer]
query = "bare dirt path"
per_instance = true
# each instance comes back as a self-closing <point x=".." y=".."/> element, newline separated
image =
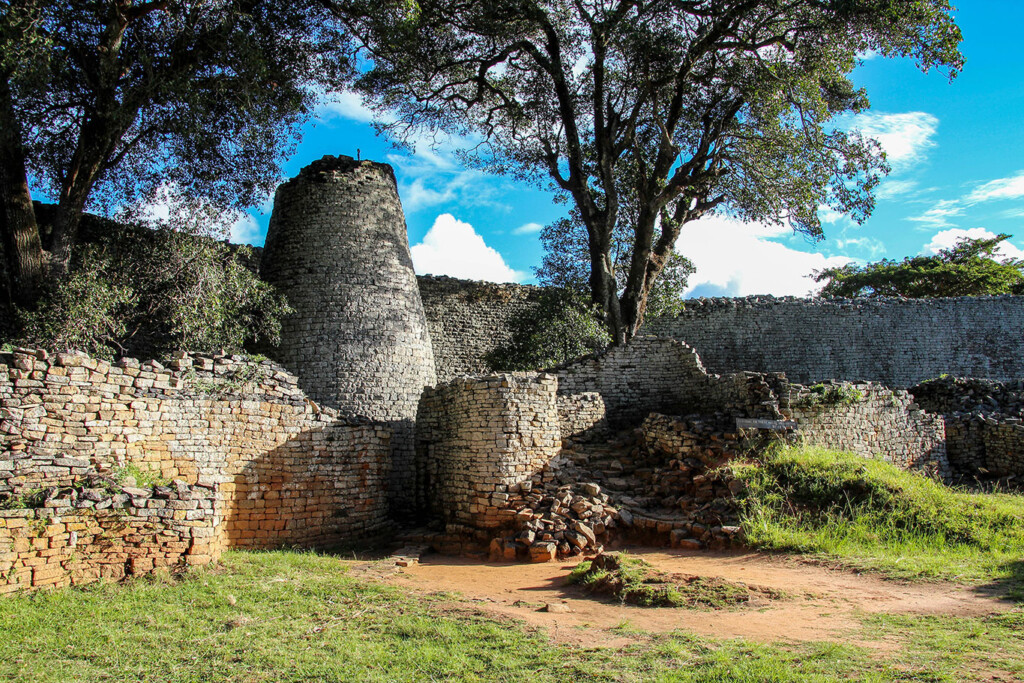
<point x="819" y="603"/>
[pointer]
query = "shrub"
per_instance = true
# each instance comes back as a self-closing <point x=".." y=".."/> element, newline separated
<point x="560" y="328"/>
<point x="149" y="292"/>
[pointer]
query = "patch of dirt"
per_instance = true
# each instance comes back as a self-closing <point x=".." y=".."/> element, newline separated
<point x="820" y="603"/>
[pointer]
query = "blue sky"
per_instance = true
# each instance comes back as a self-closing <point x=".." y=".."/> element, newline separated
<point x="957" y="151"/>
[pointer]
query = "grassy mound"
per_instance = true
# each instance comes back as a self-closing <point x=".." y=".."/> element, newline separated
<point x="871" y="514"/>
<point x="636" y="582"/>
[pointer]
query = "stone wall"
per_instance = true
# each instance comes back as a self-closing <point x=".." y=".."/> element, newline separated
<point x="87" y="533"/>
<point x="337" y="248"/>
<point x="478" y="439"/>
<point x="468" y="320"/>
<point x="652" y="375"/>
<point x="869" y="419"/>
<point x="984" y="424"/>
<point x="898" y="342"/>
<point x="282" y="469"/>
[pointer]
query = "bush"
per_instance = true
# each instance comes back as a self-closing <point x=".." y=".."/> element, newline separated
<point x="149" y="292"/>
<point x="559" y="329"/>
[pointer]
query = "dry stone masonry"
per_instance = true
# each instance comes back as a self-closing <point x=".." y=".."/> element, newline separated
<point x="897" y="342"/>
<point x="480" y="438"/>
<point x="469" y="320"/>
<point x="279" y="468"/>
<point x="114" y="469"/>
<point x="337" y="248"/>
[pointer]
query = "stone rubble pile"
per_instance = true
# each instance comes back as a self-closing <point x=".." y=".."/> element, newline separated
<point x="666" y="483"/>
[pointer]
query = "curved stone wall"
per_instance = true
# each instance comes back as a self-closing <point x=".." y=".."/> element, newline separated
<point x="337" y="249"/>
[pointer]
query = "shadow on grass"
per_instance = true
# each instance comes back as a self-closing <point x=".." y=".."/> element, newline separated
<point x="1010" y="587"/>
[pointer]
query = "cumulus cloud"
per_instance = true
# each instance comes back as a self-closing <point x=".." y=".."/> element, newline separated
<point x="528" y="229"/>
<point x="246" y="231"/>
<point x="906" y="138"/>
<point x="737" y="259"/>
<point x="452" y="247"/>
<point x="1003" y="188"/>
<point x="949" y="238"/>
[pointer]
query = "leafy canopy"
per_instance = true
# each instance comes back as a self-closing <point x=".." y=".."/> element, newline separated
<point x="969" y="268"/>
<point x="566" y="265"/>
<point x="649" y="115"/>
<point x="118" y="99"/>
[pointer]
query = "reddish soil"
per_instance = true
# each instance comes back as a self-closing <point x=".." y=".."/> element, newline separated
<point x="819" y="603"/>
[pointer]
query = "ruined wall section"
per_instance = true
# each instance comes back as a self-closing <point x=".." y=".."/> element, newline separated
<point x="870" y="420"/>
<point x="984" y="424"/>
<point x="621" y="386"/>
<point x="279" y="469"/>
<point x="897" y="342"/>
<point x="469" y="320"/>
<point x="337" y="248"/>
<point x="480" y="439"/>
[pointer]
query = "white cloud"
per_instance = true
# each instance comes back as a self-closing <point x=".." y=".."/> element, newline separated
<point x="737" y="259"/>
<point x="891" y="188"/>
<point x="246" y="231"/>
<point x="528" y="229"/>
<point x="906" y="138"/>
<point x="938" y="216"/>
<point x="452" y="247"/>
<point x="345" y="105"/>
<point x="1003" y="188"/>
<point x="869" y="246"/>
<point x="949" y="238"/>
<point x="464" y="188"/>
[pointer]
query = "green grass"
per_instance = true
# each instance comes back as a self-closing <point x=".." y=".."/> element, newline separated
<point x="634" y="581"/>
<point x="287" y="616"/>
<point x="872" y="515"/>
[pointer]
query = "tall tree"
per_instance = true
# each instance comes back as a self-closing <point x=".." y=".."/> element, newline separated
<point x="688" y="106"/>
<point x="128" y="96"/>
<point x="971" y="267"/>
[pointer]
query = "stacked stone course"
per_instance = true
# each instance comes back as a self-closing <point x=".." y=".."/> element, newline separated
<point x="480" y="438"/>
<point x="897" y="342"/>
<point x="337" y="248"/>
<point x="101" y="530"/>
<point x="984" y="425"/>
<point x="469" y="320"/>
<point x="282" y="470"/>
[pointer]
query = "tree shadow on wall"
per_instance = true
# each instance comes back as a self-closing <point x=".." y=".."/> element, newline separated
<point x="322" y="488"/>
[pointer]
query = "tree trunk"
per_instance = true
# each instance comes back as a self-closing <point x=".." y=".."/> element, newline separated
<point x="22" y="247"/>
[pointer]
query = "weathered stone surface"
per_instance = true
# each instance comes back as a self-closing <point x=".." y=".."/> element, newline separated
<point x="337" y="248"/>
<point x="897" y="342"/>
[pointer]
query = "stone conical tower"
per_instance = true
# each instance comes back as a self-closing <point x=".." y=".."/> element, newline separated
<point x="337" y="248"/>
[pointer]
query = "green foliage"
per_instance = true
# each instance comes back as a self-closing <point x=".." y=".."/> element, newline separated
<point x="871" y="514"/>
<point x="566" y="264"/>
<point x="560" y="328"/>
<point x="207" y="97"/>
<point x="634" y="581"/>
<point x="970" y="268"/>
<point x="298" y="617"/>
<point x="142" y="478"/>
<point x="651" y="115"/>
<point x="27" y="499"/>
<point x="825" y="394"/>
<point x="150" y="292"/>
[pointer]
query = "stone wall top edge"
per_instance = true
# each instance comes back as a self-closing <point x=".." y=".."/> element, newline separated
<point x="482" y="380"/>
<point x="341" y="164"/>
<point x="764" y="300"/>
<point x="456" y="282"/>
